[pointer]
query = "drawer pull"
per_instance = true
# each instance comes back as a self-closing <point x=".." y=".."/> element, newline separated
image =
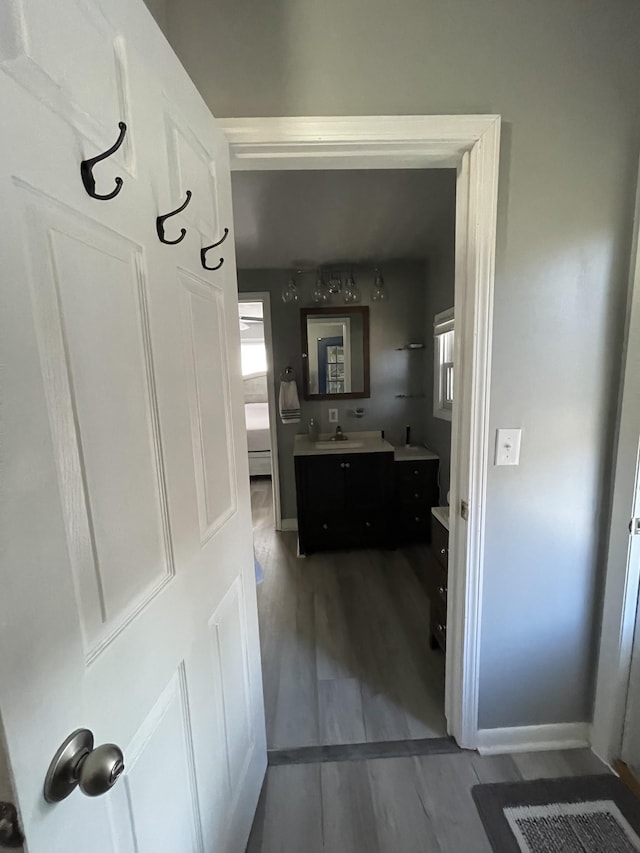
<point x="325" y="526"/>
<point x="442" y="590"/>
<point x="342" y="464"/>
<point x="442" y="628"/>
<point x="367" y="524"/>
<point x="416" y="472"/>
<point x="443" y="551"/>
<point x="416" y="495"/>
<point x="418" y="519"/>
<point x="347" y="464"/>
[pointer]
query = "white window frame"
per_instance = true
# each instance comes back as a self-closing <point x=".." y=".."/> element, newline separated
<point x="443" y="323"/>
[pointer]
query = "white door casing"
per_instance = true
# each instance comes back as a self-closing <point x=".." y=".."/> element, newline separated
<point x="128" y="602"/>
<point x="619" y="617"/>
<point x="470" y="144"/>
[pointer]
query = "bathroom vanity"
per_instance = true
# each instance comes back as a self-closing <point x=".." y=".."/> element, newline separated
<point x="344" y="492"/>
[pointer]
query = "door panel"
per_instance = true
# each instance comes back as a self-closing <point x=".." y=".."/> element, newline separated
<point x="129" y="602"/>
<point x="230" y="656"/>
<point x="209" y="403"/>
<point x="94" y="392"/>
<point x="56" y="70"/>
<point x="190" y="166"/>
<point x="162" y="769"/>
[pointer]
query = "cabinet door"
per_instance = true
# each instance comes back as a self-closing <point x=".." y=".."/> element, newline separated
<point x="324" y="488"/>
<point x="367" y="481"/>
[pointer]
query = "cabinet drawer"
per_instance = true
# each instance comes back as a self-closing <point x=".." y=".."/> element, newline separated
<point x="413" y="520"/>
<point x="415" y="472"/>
<point x="439" y="622"/>
<point x="439" y="583"/>
<point x="440" y="543"/>
<point x="415" y="492"/>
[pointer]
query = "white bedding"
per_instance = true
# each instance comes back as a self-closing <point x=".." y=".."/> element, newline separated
<point x="257" y="421"/>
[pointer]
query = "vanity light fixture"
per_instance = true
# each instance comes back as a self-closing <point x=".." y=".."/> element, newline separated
<point x="290" y="294"/>
<point x="379" y="291"/>
<point x="351" y="290"/>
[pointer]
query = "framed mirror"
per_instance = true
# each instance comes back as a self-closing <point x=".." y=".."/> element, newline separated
<point x="335" y="352"/>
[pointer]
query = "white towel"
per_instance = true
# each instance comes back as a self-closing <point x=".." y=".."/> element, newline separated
<point x="289" y="402"/>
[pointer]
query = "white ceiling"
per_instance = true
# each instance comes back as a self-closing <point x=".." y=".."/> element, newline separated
<point x="304" y="219"/>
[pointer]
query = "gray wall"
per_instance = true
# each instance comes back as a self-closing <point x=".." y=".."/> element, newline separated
<point x="564" y="76"/>
<point x="391" y="324"/>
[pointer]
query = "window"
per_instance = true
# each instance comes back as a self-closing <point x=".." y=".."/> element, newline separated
<point x="443" y="365"/>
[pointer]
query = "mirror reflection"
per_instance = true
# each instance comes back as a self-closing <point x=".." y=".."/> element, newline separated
<point x="335" y="352"/>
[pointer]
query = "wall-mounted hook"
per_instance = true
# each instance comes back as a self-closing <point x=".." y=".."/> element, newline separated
<point x="203" y="252"/>
<point x="86" y="168"/>
<point x="160" y="220"/>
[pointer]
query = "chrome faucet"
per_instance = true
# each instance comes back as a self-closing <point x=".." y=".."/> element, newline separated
<point x="339" y="435"/>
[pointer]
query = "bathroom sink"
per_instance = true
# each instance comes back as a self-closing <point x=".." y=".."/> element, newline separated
<point x="338" y="445"/>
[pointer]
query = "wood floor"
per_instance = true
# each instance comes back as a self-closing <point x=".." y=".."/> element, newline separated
<point x="345" y="643"/>
<point x="393" y="805"/>
<point x="346" y="659"/>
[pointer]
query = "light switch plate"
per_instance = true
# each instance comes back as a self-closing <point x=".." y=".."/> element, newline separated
<point x="333" y="416"/>
<point x="508" y="446"/>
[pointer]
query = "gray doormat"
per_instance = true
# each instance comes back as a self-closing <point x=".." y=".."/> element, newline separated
<point x="584" y="814"/>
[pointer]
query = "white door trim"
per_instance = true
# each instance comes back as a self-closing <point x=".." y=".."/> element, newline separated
<point x="622" y="581"/>
<point x="265" y="298"/>
<point x="469" y="143"/>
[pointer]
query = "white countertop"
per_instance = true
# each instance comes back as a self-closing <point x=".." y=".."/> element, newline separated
<point x="413" y="454"/>
<point x="372" y="442"/>
<point x="442" y="514"/>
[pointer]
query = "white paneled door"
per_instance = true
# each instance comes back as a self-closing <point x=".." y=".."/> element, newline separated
<point x="127" y="604"/>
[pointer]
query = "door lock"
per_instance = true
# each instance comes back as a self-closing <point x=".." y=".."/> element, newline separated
<point x="78" y="764"/>
<point x="10" y="832"/>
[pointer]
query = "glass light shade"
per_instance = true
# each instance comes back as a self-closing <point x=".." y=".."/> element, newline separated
<point x="351" y="291"/>
<point x="379" y="292"/>
<point x="290" y="293"/>
<point x="320" y="292"/>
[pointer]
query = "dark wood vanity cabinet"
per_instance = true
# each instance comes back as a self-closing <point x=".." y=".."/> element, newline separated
<point x="416" y="491"/>
<point x="344" y="500"/>
<point x="438" y="583"/>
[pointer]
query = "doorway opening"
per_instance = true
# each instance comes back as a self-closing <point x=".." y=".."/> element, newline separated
<point x="256" y="349"/>
<point x="470" y="145"/>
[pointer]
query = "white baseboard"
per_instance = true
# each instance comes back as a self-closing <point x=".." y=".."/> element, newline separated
<point x="289" y="524"/>
<point x="533" y="738"/>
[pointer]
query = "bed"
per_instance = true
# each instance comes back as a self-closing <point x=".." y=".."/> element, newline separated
<point x="256" y="413"/>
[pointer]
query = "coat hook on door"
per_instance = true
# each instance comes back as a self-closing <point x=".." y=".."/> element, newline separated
<point x="86" y="168"/>
<point x="203" y="252"/>
<point x="160" y="220"/>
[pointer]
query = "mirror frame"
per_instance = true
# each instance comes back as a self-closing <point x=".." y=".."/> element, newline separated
<point x="339" y="311"/>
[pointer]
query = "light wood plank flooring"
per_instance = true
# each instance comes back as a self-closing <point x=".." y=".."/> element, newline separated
<point x="393" y="805"/>
<point x="345" y="643"/>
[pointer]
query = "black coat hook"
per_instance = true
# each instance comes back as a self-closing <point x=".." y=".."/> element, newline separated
<point x="86" y="168"/>
<point x="203" y="252"/>
<point x="161" y="220"/>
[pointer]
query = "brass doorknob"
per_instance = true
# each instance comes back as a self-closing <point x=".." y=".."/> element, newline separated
<point x="78" y="764"/>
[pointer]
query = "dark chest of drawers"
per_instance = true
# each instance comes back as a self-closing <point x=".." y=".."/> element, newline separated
<point x="416" y="491"/>
<point x="438" y="582"/>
